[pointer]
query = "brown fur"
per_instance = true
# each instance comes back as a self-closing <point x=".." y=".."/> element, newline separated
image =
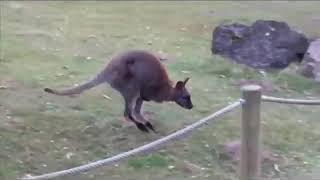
<point x="138" y="76"/>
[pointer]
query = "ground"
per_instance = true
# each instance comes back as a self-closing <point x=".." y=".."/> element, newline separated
<point x="54" y="44"/>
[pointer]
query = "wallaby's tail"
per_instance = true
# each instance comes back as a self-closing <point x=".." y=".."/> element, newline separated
<point x="95" y="81"/>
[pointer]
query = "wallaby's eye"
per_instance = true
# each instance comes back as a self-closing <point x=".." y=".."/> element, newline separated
<point x="186" y="97"/>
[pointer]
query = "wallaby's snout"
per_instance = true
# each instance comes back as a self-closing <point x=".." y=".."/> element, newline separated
<point x="185" y="103"/>
<point x="189" y="106"/>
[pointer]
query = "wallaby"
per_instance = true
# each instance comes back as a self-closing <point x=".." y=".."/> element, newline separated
<point x="138" y="75"/>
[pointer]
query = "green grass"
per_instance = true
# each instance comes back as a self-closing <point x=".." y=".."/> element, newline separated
<point x="151" y="161"/>
<point x="47" y="44"/>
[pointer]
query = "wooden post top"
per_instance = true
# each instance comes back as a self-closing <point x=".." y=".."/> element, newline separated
<point x="251" y="87"/>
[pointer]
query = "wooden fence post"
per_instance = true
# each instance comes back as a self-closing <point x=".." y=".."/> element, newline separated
<point x="250" y="133"/>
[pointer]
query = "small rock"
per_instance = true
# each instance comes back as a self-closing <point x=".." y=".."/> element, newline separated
<point x="310" y="66"/>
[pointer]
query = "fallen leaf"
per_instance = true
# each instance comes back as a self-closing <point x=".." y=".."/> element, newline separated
<point x="92" y="36"/>
<point x="69" y="155"/>
<point x="276" y="167"/>
<point x="59" y="74"/>
<point x="183" y="29"/>
<point x="186" y="72"/>
<point x="107" y="97"/>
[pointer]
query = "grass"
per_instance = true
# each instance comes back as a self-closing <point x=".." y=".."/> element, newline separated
<point x="48" y="44"/>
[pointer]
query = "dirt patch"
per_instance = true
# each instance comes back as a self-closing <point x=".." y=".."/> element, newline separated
<point x="9" y="83"/>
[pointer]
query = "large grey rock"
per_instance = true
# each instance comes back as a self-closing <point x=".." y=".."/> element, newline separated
<point x="310" y="66"/>
<point x="264" y="44"/>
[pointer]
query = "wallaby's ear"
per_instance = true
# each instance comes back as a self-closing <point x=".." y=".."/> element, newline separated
<point x="186" y="80"/>
<point x="179" y="85"/>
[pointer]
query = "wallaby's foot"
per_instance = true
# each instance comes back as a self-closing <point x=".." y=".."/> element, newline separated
<point x="142" y="127"/>
<point x="145" y="122"/>
<point x="150" y="126"/>
<point x="139" y="125"/>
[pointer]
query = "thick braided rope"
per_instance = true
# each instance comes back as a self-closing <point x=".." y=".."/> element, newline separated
<point x="289" y="101"/>
<point x="144" y="148"/>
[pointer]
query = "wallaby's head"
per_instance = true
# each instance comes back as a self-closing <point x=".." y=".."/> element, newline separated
<point x="181" y="95"/>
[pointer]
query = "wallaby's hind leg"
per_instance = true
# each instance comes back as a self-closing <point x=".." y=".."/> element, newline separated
<point x="137" y="110"/>
<point x="129" y="102"/>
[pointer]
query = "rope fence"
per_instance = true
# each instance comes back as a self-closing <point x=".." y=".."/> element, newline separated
<point x="250" y="160"/>
<point x="290" y="101"/>
<point x="144" y="148"/>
